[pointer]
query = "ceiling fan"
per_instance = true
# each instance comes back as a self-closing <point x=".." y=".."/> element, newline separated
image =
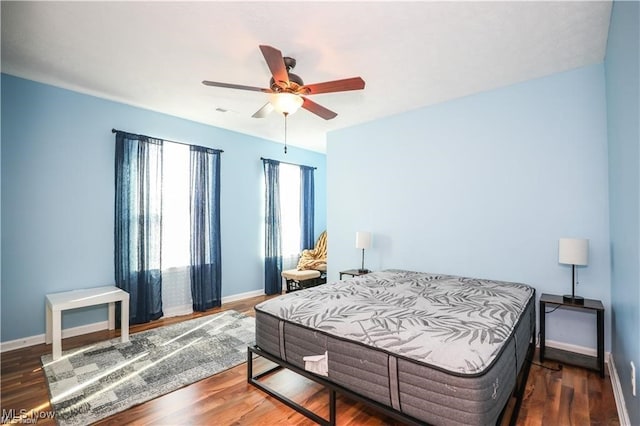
<point x="288" y="91"/>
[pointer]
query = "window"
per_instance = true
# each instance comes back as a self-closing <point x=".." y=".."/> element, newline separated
<point x="175" y="206"/>
<point x="151" y="235"/>
<point x="290" y="210"/>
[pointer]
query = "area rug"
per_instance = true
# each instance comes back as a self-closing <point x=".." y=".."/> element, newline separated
<point x="94" y="382"/>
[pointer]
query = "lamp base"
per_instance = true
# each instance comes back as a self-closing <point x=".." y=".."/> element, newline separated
<point x="363" y="271"/>
<point x="576" y="300"/>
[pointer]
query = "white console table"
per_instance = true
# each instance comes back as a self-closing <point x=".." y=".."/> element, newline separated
<point x="57" y="302"/>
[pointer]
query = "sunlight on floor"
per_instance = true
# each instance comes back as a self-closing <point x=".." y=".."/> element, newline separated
<point x="126" y="378"/>
<point x="217" y="317"/>
<point x="67" y="356"/>
<point x="95" y="379"/>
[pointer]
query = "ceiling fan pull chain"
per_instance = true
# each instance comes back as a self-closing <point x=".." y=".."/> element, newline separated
<point x="285" y="132"/>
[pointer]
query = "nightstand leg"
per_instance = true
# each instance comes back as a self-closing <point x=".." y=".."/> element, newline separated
<point x="543" y="317"/>
<point x="601" y="342"/>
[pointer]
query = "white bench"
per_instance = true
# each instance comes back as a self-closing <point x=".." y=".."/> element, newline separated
<point x="57" y="302"/>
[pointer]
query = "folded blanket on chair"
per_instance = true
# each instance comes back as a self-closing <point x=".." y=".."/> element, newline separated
<point x="315" y="258"/>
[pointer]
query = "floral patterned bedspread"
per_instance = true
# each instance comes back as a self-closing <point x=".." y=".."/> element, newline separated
<point x="454" y="323"/>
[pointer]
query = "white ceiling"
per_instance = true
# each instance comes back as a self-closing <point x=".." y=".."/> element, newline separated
<point x="410" y="54"/>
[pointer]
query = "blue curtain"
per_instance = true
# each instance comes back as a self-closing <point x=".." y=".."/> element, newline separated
<point x="138" y="224"/>
<point x="206" y="282"/>
<point x="306" y="208"/>
<point x="273" y="244"/>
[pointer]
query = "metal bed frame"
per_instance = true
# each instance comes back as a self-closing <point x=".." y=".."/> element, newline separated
<point x="518" y="391"/>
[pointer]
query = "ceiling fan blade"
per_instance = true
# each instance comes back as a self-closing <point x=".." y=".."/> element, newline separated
<point x="275" y="62"/>
<point x="318" y="109"/>
<point x="264" y="111"/>
<point x="354" y="83"/>
<point x="235" y="86"/>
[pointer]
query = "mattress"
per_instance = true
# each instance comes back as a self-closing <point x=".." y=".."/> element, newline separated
<point x="439" y="348"/>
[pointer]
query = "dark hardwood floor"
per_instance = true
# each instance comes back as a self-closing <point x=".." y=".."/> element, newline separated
<point x="566" y="396"/>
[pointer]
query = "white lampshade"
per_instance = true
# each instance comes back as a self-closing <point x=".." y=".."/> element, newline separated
<point x="363" y="240"/>
<point x="286" y="102"/>
<point x="573" y="251"/>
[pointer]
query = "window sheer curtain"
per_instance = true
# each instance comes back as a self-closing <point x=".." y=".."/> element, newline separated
<point x="138" y="224"/>
<point x="206" y="268"/>
<point x="307" y="208"/>
<point x="273" y="243"/>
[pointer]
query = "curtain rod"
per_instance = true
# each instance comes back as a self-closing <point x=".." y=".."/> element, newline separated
<point x="284" y="162"/>
<point x="166" y="140"/>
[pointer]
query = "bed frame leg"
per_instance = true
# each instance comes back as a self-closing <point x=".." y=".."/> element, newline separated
<point x="249" y="366"/>
<point x="522" y="386"/>
<point x="332" y="407"/>
<point x="254" y="380"/>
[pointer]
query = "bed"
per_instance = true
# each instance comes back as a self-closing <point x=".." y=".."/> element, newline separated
<point x="424" y="348"/>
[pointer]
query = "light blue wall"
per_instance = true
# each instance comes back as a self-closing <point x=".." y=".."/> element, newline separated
<point x="622" y="68"/>
<point x="58" y="195"/>
<point x="483" y="186"/>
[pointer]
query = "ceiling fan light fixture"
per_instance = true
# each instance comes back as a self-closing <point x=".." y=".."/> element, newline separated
<point x="288" y="91"/>
<point x="286" y="103"/>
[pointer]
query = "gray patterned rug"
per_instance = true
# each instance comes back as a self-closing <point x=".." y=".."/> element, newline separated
<point x="94" y="382"/>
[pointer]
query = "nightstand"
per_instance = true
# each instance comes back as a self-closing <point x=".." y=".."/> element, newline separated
<point x="586" y="361"/>
<point x="353" y="273"/>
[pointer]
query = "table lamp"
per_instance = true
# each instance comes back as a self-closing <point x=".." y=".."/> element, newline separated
<point x="573" y="251"/>
<point x="363" y="241"/>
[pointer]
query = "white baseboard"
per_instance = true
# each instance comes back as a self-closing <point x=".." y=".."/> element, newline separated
<point x="176" y="311"/>
<point x="623" y="414"/>
<point x="24" y="342"/>
<point x="574" y="348"/>
<point x="241" y="296"/>
<point x="39" y="339"/>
